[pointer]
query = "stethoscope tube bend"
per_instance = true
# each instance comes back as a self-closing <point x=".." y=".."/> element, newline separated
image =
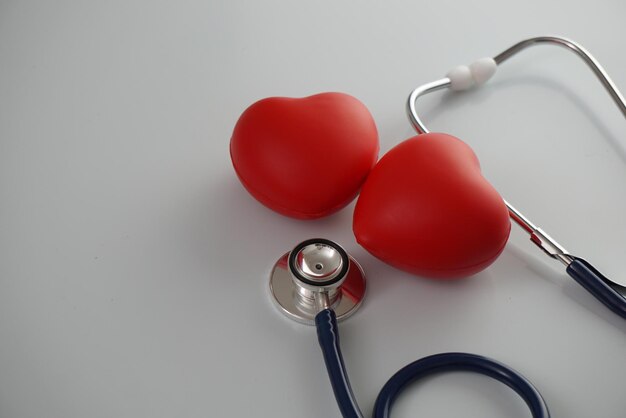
<point x="322" y="274"/>
<point x="328" y="336"/>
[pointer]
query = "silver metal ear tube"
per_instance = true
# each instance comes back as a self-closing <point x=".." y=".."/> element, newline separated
<point x="317" y="274"/>
<point x="591" y="62"/>
<point x="583" y="272"/>
<point x="550" y="246"/>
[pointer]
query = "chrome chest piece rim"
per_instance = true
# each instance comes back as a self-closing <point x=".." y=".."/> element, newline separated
<point x="315" y="275"/>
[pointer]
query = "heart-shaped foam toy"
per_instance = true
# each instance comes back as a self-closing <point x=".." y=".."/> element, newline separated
<point x="305" y="158"/>
<point x="426" y="209"/>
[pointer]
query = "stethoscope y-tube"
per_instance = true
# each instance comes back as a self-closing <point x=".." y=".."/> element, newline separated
<point x="465" y="77"/>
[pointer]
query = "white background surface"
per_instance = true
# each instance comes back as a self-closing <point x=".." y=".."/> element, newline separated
<point x="133" y="265"/>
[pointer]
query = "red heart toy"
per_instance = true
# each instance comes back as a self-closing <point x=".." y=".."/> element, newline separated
<point x="426" y="209"/>
<point x="305" y="158"/>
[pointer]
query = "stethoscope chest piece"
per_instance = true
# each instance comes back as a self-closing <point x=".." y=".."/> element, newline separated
<point x="317" y="274"/>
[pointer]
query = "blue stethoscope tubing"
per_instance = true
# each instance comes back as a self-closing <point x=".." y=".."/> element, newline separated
<point x="598" y="285"/>
<point x="328" y="337"/>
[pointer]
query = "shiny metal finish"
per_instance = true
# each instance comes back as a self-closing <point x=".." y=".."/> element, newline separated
<point x="550" y="246"/>
<point x="591" y="62"/>
<point x="539" y="237"/>
<point x="301" y="301"/>
<point x="421" y="91"/>
<point x="319" y="262"/>
<point x="578" y="49"/>
<point x="520" y="219"/>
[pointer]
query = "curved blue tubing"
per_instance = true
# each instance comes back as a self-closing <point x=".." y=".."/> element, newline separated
<point x="328" y="336"/>
<point x="598" y="285"/>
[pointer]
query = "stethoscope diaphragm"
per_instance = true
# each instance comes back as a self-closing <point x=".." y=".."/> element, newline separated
<point x="316" y="274"/>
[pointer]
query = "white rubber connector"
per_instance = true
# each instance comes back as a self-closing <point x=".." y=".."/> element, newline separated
<point x="464" y="77"/>
<point x="460" y="78"/>
<point x="483" y="69"/>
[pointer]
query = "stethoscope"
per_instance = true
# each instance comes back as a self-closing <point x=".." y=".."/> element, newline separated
<point x="318" y="283"/>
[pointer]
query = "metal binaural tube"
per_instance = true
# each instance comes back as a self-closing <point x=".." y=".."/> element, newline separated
<point x="591" y="62"/>
<point x="579" y="50"/>
<point x="421" y="91"/>
<point x="537" y="236"/>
